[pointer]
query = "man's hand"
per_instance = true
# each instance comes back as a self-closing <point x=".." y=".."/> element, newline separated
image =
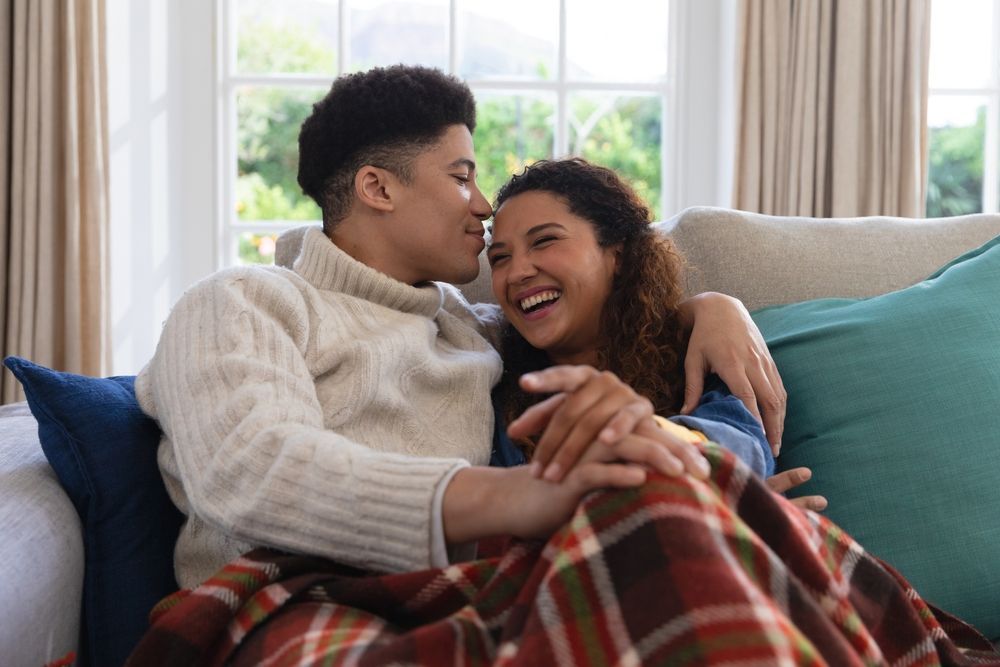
<point x="486" y="502"/>
<point x="789" y="479"/>
<point x="725" y="341"/>
<point x="590" y="406"/>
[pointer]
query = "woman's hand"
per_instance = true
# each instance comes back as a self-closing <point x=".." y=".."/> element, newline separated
<point x="596" y="409"/>
<point x="725" y="341"/>
<point x="789" y="479"/>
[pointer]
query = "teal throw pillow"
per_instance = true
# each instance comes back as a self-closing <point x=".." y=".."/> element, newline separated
<point x="894" y="402"/>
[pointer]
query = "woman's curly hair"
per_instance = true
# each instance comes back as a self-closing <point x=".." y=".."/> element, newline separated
<point x="644" y="340"/>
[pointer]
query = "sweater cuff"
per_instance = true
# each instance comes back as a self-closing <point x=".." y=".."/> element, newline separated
<point x="441" y="556"/>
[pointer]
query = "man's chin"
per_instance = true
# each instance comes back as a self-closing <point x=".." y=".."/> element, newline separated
<point x="466" y="276"/>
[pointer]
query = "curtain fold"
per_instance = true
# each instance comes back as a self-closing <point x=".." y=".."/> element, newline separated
<point x="54" y="187"/>
<point x="832" y="110"/>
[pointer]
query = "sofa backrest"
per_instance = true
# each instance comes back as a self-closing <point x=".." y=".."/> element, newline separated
<point x="765" y="260"/>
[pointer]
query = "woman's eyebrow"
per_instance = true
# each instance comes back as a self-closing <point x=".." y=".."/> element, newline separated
<point x="544" y="225"/>
<point x="533" y="230"/>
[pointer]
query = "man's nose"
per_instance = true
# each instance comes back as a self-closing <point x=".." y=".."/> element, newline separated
<point x="479" y="204"/>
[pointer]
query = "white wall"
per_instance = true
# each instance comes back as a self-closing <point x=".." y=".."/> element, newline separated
<point x="700" y="144"/>
<point x="161" y="116"/>
<point x="162" y="108"/>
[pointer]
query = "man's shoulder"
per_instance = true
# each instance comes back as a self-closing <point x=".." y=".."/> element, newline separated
<point x="248" y="278"/>
<point x="275" y="291"/>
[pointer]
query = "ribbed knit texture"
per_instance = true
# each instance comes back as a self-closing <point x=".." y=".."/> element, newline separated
<point x="317" y="410"/>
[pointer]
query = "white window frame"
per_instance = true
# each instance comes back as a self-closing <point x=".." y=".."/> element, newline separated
<point x="991" y="140"/>
<point x="696" y="152"/>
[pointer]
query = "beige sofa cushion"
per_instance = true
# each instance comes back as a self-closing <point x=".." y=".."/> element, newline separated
<point x="765" y="260"/>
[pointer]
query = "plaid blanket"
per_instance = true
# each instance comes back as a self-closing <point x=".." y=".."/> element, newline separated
<point x="675" y="572"/>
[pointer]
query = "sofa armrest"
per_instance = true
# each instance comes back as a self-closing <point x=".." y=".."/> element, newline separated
<point x="41" y="553"/>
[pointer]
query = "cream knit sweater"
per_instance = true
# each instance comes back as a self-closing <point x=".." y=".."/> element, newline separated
<point x="317" y="410"/>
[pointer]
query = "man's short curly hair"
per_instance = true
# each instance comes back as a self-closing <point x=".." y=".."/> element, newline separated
<point x="384" y="117"/>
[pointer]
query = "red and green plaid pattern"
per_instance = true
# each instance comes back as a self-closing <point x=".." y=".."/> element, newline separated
<point x="676" y="572"/>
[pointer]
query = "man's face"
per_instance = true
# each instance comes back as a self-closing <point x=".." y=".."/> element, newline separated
<point x="437" y="233"/>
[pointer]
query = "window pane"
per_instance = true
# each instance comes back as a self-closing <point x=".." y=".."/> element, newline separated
<point x="287" y="37"/>
<point x="268" y="121"/>
<point x="387" y="32"/>
<point x="628" y="43"/>
<point x="512" y="39"/>
<point x="511" y="131"/>
<point x="256" y="248"/>
<point x="961" y="35"/>
<point x="957" y="127"/>
<point x="622" y="133"/>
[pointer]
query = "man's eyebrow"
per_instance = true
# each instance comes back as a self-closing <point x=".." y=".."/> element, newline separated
<point x="463" y="162"/>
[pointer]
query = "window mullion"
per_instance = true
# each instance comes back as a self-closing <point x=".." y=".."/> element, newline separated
<point x="225" y="143"/>
<point x="560" y="133"/>
<point x="991" y="159"/>
<point x="452" y="37"/>
<point x="343" y="47"/>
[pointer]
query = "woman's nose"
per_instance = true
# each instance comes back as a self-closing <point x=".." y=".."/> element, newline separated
<point x="521" y="268"/>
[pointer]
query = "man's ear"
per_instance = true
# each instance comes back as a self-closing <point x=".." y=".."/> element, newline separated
<point x="373" y="186"/>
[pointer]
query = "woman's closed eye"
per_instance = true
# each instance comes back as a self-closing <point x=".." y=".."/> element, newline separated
<point x="496" y="257"/>
<point x="543" y="241"/>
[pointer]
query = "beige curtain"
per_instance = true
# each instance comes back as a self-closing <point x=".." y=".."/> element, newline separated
<point x="832" y="115"/>
<point x="53" y="186"/>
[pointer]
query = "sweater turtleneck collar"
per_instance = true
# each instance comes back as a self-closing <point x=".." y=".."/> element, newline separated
<point x="328" y="267"/>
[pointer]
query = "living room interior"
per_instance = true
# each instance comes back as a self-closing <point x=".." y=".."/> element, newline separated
<point x="866" y="134"/>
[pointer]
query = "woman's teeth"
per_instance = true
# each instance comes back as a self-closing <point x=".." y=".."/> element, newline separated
<point x="536" y="299"/>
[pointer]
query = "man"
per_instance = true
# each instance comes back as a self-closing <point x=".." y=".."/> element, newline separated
<point x="341" y="409"/>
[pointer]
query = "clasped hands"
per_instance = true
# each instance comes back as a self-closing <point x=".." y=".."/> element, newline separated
<point x="594" y="426"/>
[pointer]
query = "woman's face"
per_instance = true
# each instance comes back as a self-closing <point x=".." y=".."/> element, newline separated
<point x="550" y="276"/>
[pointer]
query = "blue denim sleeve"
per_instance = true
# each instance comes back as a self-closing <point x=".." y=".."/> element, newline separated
<point x="504" y="454"/>
<point x="725" y="420"/>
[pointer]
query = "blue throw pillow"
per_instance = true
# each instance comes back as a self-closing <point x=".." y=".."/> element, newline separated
<point x="103" y="450"/>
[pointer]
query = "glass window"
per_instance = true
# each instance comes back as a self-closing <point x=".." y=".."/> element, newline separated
<point x="961" y="44"/>
<point x="267" y="130"/>
<point x="963" y="108"/>
<point x="589" y="82"/>
<point x="621" y="132"/>
<point x="627" y="43"/>
<point x="287" y="37"/>
<point x="508" y="40"/>
<point x="957" y="132"/>
<point x="386" y="32"/>
<point x="511" y="131"/>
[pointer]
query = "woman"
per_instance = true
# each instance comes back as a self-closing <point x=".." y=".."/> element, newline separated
<point x="583" y="279"/>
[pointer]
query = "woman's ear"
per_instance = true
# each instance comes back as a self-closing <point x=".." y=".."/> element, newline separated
<point x="373" y="188"/>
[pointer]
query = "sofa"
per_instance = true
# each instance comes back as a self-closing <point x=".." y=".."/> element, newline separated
<point x="764" y="261"/>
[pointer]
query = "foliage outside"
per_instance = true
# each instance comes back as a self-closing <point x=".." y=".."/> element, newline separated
<point x="512" y="131"/>
<point x="955" y="169"/>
